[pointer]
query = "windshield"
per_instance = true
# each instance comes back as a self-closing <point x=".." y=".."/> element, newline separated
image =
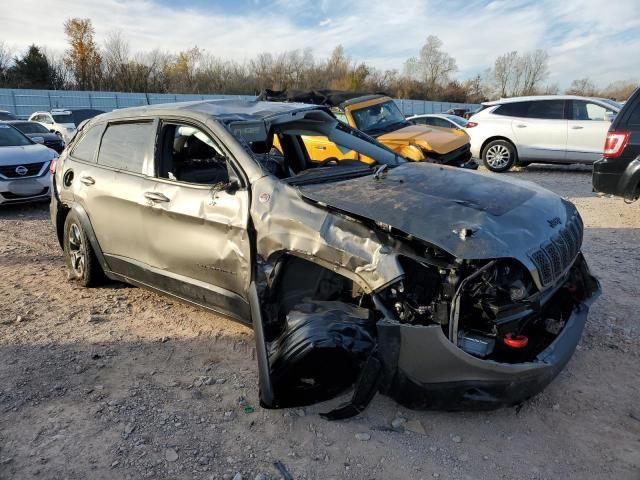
<point x="459" y="120"/>
<point x="378" y="118"/>
<point x="613" y="103"/>
<point x="30" y="127"/>
<point x="62" y="118"/>
<point x="10" y="137"/>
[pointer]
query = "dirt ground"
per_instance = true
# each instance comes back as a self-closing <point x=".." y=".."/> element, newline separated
<point x="120" y="383"/>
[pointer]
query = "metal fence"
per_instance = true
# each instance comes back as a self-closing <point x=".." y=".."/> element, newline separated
<point x="23" y="102"/>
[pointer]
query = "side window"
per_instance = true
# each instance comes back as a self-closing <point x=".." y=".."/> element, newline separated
<point x="86" y="147"/>
<point x="589" y="111"/>
<point x="547" y="109"/>
<point x="187" y="154"/>
<point x="420" y="121"/>
<point x="47" y="119"/>
<point x="440" y="122"/>
<point x="126" y="145"/>
<point x="514" y="109"/>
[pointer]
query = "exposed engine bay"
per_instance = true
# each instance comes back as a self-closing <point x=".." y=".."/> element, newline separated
<point x="323" y="329"/>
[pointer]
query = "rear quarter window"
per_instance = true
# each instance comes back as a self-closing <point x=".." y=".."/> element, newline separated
<point x="514" y="109"/>
<point x="86" y="147"/>
<point x="634" y="115"/>
<point x="125" y="146"/>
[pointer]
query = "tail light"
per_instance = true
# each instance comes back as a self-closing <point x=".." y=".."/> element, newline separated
<point x="614" y="144"/>
<point x="52" y="166"/>
<point x="471" y="124"/>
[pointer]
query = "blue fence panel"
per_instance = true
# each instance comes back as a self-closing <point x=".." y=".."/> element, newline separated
<point x="23" y="102"/>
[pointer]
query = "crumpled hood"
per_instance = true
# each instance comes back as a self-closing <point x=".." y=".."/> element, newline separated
<point x="25" y="154"/>
<point x="509" y="218"/>
<point x="439" y="140"/>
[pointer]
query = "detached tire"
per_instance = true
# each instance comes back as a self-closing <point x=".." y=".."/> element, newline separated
<point x="499" y="155"/>
<point x="81" y="261"/>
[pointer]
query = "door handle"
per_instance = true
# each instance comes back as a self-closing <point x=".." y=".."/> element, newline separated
<point x="319" y="147"/>
<point x="156" y="197"/>
<point x="521" y="126"/>
<point x="577" y="127"/>
<point x="88" y="181"/>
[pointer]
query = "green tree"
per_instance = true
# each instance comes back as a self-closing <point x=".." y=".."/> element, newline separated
<point x="32" y="70"/>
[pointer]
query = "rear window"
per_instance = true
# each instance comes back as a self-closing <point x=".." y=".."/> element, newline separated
<point x="86" y="147"/>
<point x="126" y="145"/>
<point x="514" y="109"/>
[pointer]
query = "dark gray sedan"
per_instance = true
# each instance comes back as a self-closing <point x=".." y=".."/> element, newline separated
<point x="34" y="129"/>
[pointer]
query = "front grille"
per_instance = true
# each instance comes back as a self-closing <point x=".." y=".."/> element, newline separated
<point x="554" y="257"/>
<point x="15" y="196"/>
<point x="9" y="171"/>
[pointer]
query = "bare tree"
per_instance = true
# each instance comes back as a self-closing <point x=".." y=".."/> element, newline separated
<point x="6" y="60"/>
<point x="506" y="73"/>
<point x="620" y="90"/>
<point x="582" y="86"/>
<point x="433" y="66"/>
<point x="534" y="67"/>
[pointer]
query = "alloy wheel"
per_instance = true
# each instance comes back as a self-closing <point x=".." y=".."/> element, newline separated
<point x="498" y="156"/>
<point x="77" y="250"/>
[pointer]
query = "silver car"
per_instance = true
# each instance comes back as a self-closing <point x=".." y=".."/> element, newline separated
<point x="24" y="167"/>
<point x="407" y="278"/>
<point x="541" y="129"/>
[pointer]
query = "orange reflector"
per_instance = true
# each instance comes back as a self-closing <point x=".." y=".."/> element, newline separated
<point x="515" y="341"/>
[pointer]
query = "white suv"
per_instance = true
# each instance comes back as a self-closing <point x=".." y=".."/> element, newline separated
<point x="542" y="129"/>
<point x="60" y="122"/>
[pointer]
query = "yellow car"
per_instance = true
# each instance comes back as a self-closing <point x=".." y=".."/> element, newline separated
<point x="380" y="117"/>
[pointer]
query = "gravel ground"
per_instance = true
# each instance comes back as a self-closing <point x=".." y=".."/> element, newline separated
<point x="118" y="382"/>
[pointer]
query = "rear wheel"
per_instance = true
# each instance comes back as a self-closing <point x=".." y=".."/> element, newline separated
<point x="499" y="155"/>
<point x="82" y="264"/>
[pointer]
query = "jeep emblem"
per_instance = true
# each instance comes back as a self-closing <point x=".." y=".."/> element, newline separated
<point x="21" y="170"/>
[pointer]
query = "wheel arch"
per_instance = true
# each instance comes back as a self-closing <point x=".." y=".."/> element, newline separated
<point x="83" y="216"/>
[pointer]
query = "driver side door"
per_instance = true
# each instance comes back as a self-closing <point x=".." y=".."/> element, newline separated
<point x="196" y="220"/>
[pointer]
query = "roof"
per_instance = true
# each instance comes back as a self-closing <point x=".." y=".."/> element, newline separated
<point x="227" y="109"/>
<point x="326" y="97"/>
<point x="539" y="97"/>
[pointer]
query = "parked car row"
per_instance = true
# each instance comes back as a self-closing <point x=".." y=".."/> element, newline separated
<point x="29" y="147"/>
<point x="440" y="287"/>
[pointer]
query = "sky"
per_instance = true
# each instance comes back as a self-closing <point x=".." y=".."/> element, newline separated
<point x="585" y="38"/>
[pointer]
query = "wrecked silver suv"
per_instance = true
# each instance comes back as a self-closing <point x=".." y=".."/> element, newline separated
<point x="439" y="287"/>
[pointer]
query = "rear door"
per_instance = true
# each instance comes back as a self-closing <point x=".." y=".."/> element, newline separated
<point x="588" y="123"/>
<point x="541" y="130"/>
<point x="196" y="218"/>
<point x="114" y="191"/>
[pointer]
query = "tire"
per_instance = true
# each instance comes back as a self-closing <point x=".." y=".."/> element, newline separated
<point x="81" y="261"/>
<point x="499" y="155"/>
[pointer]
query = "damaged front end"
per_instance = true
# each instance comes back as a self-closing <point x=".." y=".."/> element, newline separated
<point x="445" y="334"/>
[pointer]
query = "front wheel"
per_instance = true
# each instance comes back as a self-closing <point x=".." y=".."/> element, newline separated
<point x="79" y="256"/>
<point x="499" y="156"/>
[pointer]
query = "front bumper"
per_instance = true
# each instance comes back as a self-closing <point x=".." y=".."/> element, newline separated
<point x="24" y="190"/>
<point x="424" y="370"/>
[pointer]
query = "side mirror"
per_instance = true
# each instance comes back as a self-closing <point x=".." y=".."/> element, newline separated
<point x="39" y="140"/>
